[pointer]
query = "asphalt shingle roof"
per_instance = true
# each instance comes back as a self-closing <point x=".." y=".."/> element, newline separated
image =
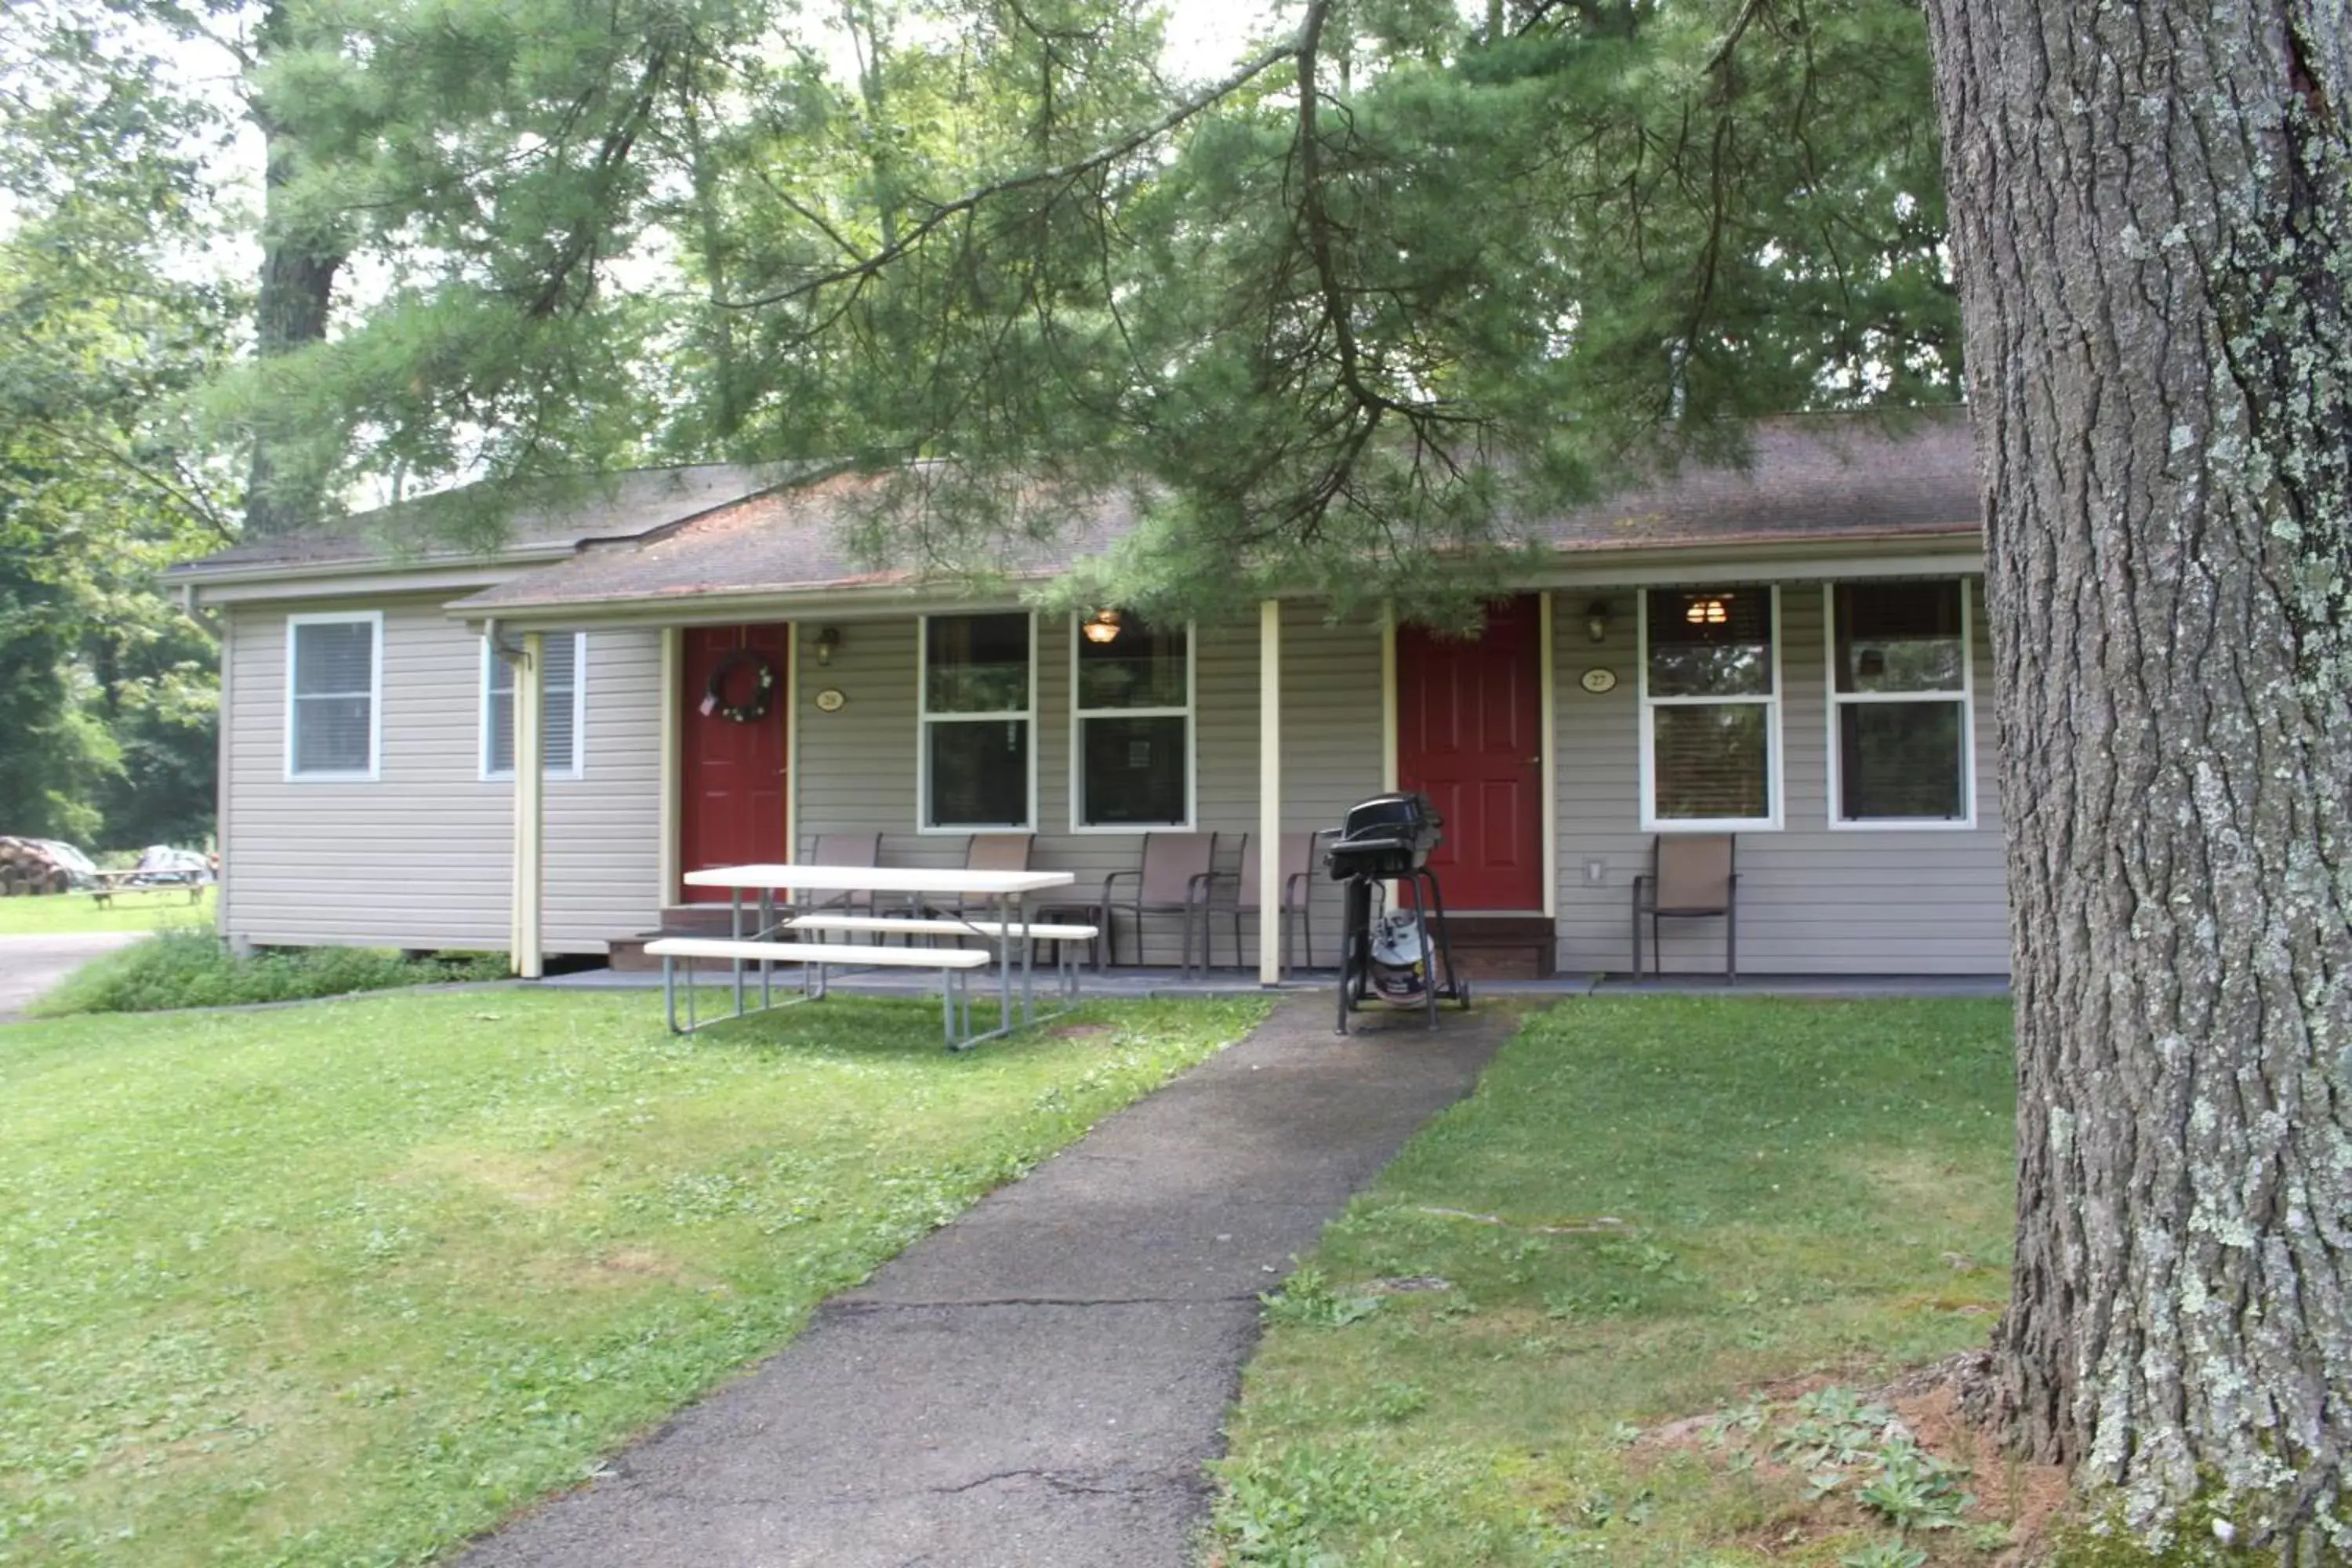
<point x="540" y="515"/>
<point x="1809" y="477"/>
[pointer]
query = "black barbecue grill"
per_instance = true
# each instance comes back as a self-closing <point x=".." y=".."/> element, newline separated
<point x="1386" y="835"/>
<point x="1387" y="838"/>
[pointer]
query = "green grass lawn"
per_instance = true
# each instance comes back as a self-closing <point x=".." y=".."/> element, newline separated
<point x="63" y="912"/>
<point x="1652" y="1209"/>
<point x="343" y="1284"/>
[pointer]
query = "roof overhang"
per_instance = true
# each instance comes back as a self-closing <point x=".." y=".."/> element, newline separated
<point x="348" y="579"/>
<point x="1910" y="553"/>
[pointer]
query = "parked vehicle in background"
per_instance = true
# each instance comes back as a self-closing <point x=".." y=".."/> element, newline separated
<point x="161" y="866"/>
<point x="43" y="866"/>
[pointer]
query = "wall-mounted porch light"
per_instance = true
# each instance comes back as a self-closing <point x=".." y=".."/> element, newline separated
<point x="1596" y="620"/>
<point x="1101" y="627"/>
<point x="827" y="640"/>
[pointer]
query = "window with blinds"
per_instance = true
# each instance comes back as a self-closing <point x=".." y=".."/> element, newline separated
<point x="1900" y="704"/>
<point x="562" y="706"/>
<point x="1134" y="720"/>
<point x="1710" y="708"/>
<point x="976" y="714"/>
<point x="333" y="662"/>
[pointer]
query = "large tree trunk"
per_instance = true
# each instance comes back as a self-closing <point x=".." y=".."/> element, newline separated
<point x="2150" y="209"/>
<point x="298" y="263"/>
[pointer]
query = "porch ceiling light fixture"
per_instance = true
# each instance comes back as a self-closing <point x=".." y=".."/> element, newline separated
<point x="1596" y="620"/>
<point x="1710" y="610"/>
<point x="827" y="640"/>
<point x="1101" y="627"/>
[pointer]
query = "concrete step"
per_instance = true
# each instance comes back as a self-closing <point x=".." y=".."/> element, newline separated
<point x="1503" y="947"/>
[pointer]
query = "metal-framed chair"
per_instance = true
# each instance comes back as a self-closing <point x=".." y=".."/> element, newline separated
<point x="1297" y="855"/>
<point x="1692" y="876"/>
<point x="862" y="849"/>
<point x="983" y="852"/>
<point x="1172" y="879"/>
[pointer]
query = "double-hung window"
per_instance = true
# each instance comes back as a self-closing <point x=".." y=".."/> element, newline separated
<point x="978" y="705"/>
<point x="1900" y="695"/>
<point x="1711" y="708"/>
<point x="334" y="666"/>
<point x="562" y="702"/>
<point x="1132" y="712"/>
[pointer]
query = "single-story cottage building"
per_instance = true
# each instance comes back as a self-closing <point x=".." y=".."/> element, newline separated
<point x="1793" y="652"/>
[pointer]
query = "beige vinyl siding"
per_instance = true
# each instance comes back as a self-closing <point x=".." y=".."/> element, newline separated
<point x="858" y="767"/>
<point x="423" y="855"/>
<point x="1812" y="900"/>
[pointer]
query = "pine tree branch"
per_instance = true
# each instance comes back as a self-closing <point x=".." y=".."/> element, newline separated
<point x="1102" y="157"/>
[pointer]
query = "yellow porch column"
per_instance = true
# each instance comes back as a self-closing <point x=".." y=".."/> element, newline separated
<point x="1269" y="792"/>
<point x="530" y="803"/>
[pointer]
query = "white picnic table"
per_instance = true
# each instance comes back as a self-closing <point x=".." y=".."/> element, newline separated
<point x="1011" y="891"/>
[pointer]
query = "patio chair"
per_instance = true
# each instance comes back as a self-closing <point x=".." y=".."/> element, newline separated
<point x="983" y="852"/>
<point x="1172" y="880"/>
<point x="1298" y="889"/>
<point x="862" y="849"/>
<point x="1691" y="877"/>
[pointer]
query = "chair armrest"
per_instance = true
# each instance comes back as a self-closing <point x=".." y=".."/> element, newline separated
<point x="1639" y="881"/>
<point x="1196" y="890"/>
<point x="1292" y="881"/>
<point x="1114" y="875"/>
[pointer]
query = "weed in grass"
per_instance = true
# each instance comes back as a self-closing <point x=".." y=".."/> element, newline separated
<point x="1306" y="1301"/>
<point x="1392" y="1402"/>
<point x="1915" y="1490"/>
<point x="1291" y="1515"/>
<point x="1885" y="1553"/>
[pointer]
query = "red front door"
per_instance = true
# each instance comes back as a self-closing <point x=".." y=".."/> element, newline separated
<point x="731" y="774"/>
<point x="1470" y="737"/>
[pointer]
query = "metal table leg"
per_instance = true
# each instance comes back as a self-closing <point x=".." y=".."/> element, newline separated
<point x="735" y="930"/>
<point x="1028" y="995"/>
<point x="1005" y="961"/>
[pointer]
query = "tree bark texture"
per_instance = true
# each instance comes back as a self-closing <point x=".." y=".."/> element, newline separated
<point x="298" y="263"/>
<point x="2150" y="211"/>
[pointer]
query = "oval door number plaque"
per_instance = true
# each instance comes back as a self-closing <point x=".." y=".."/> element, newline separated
<point x="1596" y="680"/>
<point x="829" y="701"/>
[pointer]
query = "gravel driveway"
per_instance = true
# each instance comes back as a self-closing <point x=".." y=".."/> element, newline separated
<point x="31" y="964"/>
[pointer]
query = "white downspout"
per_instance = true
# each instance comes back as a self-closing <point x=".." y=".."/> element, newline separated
<point x="1269" y="792"/>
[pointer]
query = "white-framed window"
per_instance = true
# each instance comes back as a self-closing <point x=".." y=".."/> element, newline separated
<point x="563" y="707"/>
<point x="334" y="689"/>
<point x="977" y="724"/>
<point x="1131" y="702"/>
<point x="1902" y="704"/>
<point x="1710" y="681"/>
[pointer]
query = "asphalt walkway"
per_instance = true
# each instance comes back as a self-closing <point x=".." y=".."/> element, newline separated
<point x="1039" y="1384"/>
<point x="31" y="964"/>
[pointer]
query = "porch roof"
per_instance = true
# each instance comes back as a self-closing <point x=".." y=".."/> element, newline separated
<point x="1810" y="480"/>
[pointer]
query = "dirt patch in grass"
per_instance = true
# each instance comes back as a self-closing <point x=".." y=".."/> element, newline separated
<point x="2011" y="1507"/>
<point x="1081" y="1031"/>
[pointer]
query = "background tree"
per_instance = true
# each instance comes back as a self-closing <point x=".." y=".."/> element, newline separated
<point x="2150" y="222"/>
<point x="106" y="688"/>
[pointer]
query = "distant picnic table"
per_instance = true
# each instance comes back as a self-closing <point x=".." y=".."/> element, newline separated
<point x="109" y="883"/>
